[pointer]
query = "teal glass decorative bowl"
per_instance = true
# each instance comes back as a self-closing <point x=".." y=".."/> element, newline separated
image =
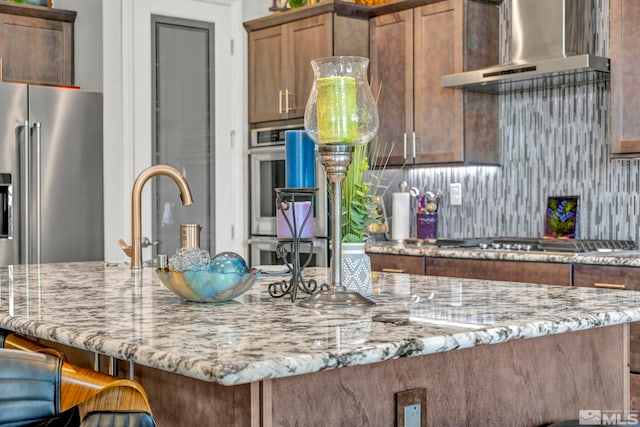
<point x="228" y="277"/>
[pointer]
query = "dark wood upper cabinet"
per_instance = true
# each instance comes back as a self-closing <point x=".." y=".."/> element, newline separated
<point x="624" y="29"/>
<point x="392" y="79"/>
<point x="266" y="74"/>
<point x="280" y="73"/>
<point x="36" y="44"/>
<point x="410" y="52"/>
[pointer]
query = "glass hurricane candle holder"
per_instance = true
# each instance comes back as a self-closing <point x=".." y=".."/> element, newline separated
<point x="340" y="114"/>
<point x="341" y="109"/>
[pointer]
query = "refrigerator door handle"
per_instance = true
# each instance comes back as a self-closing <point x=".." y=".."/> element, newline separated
<point x="38" y="210"/>
<point x="25" y="192"/>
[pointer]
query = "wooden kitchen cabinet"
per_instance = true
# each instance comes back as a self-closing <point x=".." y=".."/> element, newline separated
<point x="280" y="73"/>
<point x="410" y="52"/>
<point x="624" y="32"/>
<point x="614" y="277"/>
<point x="397" y="263"/>
<point x="512" y="271"/>
<point x="604" y="276"/>
<point x="36" y="44"/>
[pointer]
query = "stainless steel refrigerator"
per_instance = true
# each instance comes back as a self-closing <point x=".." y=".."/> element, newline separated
<point x="51" y="181"/>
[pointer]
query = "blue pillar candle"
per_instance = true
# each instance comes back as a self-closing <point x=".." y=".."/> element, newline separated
<point x="300" y="160"/>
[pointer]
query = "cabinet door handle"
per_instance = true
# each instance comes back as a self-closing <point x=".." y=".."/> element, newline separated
<point x="404" y="151"/>
<point x="286" y="100"/>
<point x="393" y="270"/>
<point x="413" y="146"/>
<point x="608" y="286"/>
<point x="280" y="101"/>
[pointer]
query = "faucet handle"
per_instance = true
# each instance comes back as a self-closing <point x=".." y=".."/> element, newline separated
<point x="125" y="248"/>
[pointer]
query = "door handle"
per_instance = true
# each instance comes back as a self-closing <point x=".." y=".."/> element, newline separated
<point x="146" y="242"/>
<point x="25" y="192"/>
<point x="280" y="101"/>
<point x="38" y="128"/>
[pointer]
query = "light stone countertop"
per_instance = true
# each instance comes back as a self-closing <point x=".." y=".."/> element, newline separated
<point x="134" y="317"/>
<point x="621" y="258"/>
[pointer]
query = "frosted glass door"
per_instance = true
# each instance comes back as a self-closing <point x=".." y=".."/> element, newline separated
<point x="183" y="127"/>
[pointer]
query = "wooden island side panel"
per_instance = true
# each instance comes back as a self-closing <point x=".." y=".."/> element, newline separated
<point x="527" y="382"/>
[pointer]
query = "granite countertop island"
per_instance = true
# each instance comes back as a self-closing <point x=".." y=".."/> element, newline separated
<point x="257" y="339"/>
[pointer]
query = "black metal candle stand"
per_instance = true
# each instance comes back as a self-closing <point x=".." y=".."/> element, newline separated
<point x="295" y="251"/>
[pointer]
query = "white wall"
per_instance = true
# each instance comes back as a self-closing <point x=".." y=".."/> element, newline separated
<point x="255" y="9"/>
<point x="88" y="41"/>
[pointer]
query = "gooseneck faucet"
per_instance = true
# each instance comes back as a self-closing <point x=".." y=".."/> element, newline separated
<point x="135" y="250"/>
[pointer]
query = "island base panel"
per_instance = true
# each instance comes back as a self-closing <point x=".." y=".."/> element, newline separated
<point x="526" y="382"/>
<point x="177" y="400"/>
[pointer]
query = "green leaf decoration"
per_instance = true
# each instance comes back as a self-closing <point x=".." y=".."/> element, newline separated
<point x="358" y="189"/>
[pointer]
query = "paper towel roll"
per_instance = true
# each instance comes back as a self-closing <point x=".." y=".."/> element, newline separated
<point x="400" y="216"/>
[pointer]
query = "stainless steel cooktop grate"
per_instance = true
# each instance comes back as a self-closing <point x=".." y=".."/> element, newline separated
<point x="539" y="244"/>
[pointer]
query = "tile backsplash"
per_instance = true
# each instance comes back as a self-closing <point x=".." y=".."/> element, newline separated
<point x="555" y="142"/>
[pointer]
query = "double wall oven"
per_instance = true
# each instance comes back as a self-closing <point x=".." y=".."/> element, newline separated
<point x="267" y="172"/>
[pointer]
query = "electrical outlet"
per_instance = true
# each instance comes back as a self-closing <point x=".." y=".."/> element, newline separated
<point x="412" y="415"/>
<point x="455" y="194"/>
<point x="411" y="408"/>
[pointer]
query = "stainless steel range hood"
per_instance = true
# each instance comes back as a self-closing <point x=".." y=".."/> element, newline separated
<point x="551" y="45"/>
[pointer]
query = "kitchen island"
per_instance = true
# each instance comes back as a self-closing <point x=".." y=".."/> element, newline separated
<point x="487" y="353"/>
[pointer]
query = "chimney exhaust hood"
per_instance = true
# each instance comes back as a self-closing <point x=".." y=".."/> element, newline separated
<point x="550" y="47"/>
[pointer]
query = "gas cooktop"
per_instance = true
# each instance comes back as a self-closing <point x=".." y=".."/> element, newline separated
<point x="539" y="244"/>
